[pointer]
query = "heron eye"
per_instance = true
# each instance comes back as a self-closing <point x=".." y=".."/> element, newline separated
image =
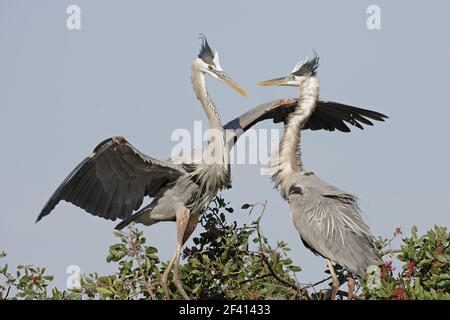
<point x="210" y="67"/>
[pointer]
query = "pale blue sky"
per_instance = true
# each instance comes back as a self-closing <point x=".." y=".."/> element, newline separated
<point x="127" y="72"/>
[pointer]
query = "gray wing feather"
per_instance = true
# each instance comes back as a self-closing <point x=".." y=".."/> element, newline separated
<point x="237" y="127"/>
<point x="328" y="116"/>
<point x="113" y="181"/>
<point x="330" y="224"/>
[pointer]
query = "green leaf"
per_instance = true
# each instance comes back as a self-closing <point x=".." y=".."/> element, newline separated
<point x="206" y="259"/>
<point x="104" y="291"/>
<point x="295" y="268"/>
<point x="150" y="250"/>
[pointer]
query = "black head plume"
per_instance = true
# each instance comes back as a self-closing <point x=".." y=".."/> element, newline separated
<point x="206" y="53"/>
<point x="309" y="67"/>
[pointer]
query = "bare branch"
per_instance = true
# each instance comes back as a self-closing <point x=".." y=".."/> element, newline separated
<point x="389" y="251"/>
<point x="256" y="278"/>
<point x="315" y="284"/>
<point x="264" y="257"/>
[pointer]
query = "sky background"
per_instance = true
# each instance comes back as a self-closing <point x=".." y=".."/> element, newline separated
<point x="127" y="72"/>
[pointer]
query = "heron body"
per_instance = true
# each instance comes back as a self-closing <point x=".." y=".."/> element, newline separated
<point x="113" y="181"/>
<point x="330" y="225"/>
<point x="327" y="219"/>
<point x="190" y="191"/>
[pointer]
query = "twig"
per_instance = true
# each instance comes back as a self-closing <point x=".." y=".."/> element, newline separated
<point x="389" y="251"/>
<point x="255" y="278"/>
<point x="388" y="243"/>
<point x="264" y="257"/>
<point x="147" y="284"/>
<point x="315" y="284"/>
<point x="345" y="293"/>
<point x="264" y="206"/>
<point x="278" y="278"/>
<point x="137" y="256"/>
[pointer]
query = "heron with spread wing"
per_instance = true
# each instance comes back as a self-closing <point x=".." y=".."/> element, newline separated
<point x="112" y="182"/>
<point x="327" y="219"/>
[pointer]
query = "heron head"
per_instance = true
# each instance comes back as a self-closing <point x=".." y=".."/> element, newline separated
<point x="303" y="69"/>
<point x="208" y="63"/>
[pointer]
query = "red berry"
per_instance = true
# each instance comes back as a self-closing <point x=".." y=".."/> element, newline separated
<point x="398" y="294"/>
<point x="386" y="269"/>
<point x="411" y="268"/>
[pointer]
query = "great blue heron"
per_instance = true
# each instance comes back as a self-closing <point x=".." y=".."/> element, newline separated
<point x="328" y="219"/>
<point x="113" y="181"/>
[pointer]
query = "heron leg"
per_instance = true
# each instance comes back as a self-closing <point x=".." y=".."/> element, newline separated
<point x="181" y="221"/>
<point x="351" y="286"/>
<point x="183" y="232"/>
<point x="335" y="284"/>
<point x="165" y="276"/>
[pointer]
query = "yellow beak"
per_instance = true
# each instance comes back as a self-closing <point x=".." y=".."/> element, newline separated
<point x="230" y="82"/>
<point x="283" y="81"/>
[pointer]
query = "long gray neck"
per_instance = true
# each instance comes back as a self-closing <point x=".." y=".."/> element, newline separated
<point x="198" y="82"/>
<point x="289" y="165"/>
<point x="216" y="153"/>
<point x="213" y="173"/>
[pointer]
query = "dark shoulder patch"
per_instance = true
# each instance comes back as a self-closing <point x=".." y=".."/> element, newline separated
<point x="294" y="189"/>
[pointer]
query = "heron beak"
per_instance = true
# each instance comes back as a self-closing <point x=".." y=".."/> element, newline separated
<point x="283" y="81"/>
<point x="230" y="82"/>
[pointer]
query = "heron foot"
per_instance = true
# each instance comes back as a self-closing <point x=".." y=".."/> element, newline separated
<point x="335" y="284"/>
<point x="351" y="286"/>
<point x="178" y="284"/>
<point x="334" y="289"/>
<point x="165" y="276"/>
<point x="182" y="226"/>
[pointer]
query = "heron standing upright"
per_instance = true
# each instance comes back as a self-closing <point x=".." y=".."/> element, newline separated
<point x="113" y="181"/>
<point x="327" y="218"/>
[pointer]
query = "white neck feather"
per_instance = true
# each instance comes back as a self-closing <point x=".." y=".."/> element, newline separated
<point x="213" y="173"/>
<point x="198" y="82"/>
<point x="286" y="161"/>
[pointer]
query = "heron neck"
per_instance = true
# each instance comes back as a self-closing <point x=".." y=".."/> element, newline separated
<point x="216" y="138"/>
<point x="198" y="82"/>
<point x="289" y="163"/>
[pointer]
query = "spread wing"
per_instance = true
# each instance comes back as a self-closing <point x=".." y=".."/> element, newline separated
<point x="328" y="116"/>
<point x="113" y="181"/>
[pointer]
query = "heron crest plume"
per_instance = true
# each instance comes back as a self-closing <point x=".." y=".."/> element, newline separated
<point x="206" y="53"/>
<point x="307" y="67"/>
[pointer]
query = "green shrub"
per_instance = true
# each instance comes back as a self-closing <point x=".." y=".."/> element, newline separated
<point x="231" y="261"/>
